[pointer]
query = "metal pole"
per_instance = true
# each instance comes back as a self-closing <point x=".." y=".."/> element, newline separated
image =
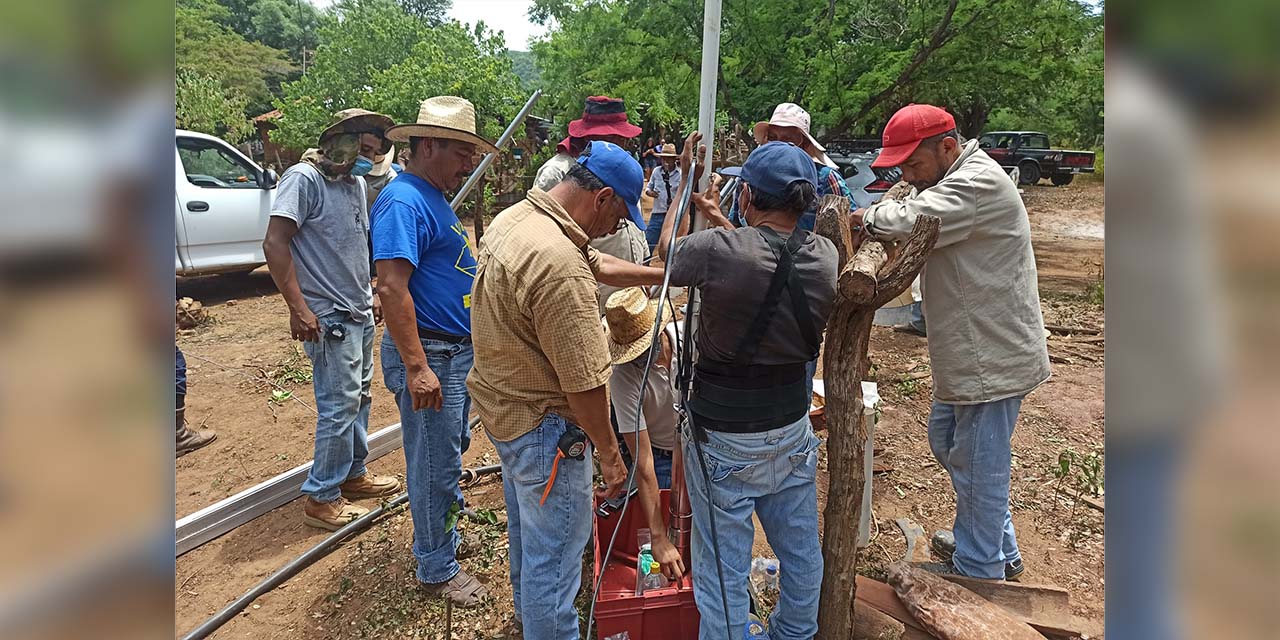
<point x="488" y="158"/>
<point x="707" y="87"/>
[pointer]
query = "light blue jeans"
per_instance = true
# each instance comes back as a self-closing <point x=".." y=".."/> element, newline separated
<point x="546" y="540"/>
<point x="341" y="370"/>
<point x="772" y="475"/>
<point x="972" y="442"/>
<point x="433" y="446"/>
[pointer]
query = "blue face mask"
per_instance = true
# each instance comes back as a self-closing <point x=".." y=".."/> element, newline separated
<point x="362" y="166"/>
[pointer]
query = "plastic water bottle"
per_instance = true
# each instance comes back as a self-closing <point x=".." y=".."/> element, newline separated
<point x="764" y="573"/>
<point x="654" y="578"/>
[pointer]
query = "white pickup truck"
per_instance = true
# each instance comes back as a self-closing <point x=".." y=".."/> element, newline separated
<point x="223" y="204"/>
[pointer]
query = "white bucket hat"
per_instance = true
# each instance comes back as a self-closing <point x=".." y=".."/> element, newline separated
<point x="443" y="117"/>
<point x="790" y="114"/>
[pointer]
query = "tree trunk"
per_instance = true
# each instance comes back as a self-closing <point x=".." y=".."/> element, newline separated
<point x="867" y="280"/>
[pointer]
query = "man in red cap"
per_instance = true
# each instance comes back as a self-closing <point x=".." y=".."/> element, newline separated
<point x="982" y="306"/>
<point x="603" y="118"/>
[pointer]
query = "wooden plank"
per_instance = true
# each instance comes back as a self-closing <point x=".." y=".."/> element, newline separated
<point x="1045" y="607"/>
<point x="882" y="597"/>
<point x="1085" y="498"/>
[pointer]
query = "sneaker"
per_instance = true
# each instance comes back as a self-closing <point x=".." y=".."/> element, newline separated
<point x="943" y="543"/>
<point x="330" y="515"/>
<point x="370" y="486"/>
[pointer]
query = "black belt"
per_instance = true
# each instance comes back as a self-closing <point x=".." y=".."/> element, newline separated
<point x="772" y="396"/>
<point x="443" y="337"/>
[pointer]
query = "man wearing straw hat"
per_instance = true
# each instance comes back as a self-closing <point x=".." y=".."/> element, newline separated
<point x="662" y="185"/>
<point x="790" y="123"/>
<point x="541" y="368"/>
<point x="425" y="273"/>
<point x="318" y="252"/>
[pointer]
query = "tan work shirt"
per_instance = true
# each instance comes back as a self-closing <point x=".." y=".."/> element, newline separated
<point x="535" y="320"/>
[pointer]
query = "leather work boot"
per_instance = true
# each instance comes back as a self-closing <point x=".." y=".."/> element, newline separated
<point x="189" y="440"/>
<point x="330" y="515"/>
<point x="370" y="486"/>
<point x="943" y="543"/>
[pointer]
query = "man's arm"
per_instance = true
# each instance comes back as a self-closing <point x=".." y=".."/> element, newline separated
<point x="303" y="324"/>
<point x="953" y="201"/>
<point x="668" y="225"/>
<point x="664" y="552"/>
<point x="591" y="409"/>
<point x="617" y="272"/>
<point x="402" y="323"/>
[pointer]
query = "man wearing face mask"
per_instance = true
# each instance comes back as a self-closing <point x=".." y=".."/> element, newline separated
<point x="541" y="369"/>
<point x="425" y="272"/>
<point x="318" y="252"/>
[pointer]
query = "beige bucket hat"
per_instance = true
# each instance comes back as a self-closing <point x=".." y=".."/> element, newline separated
<point x="628" y="323"/>
<point x="357" y="121"/>
<point x="443" y="117"/>
<point x="790" y="114"/>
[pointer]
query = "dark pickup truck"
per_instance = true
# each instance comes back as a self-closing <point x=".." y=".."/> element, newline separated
<point x="1029" y="152"/>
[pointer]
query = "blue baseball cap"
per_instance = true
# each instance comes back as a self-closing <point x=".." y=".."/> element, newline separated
<point x="775" y="165"/>
<point x="617" y="169"/>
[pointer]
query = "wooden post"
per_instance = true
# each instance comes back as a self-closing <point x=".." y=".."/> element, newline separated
<point x="868" y="279"/>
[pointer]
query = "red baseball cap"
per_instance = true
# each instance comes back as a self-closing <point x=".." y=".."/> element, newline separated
<point x="907" y="128"/>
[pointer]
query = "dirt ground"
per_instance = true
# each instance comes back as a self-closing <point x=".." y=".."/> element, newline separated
<point x="366" y="588"/>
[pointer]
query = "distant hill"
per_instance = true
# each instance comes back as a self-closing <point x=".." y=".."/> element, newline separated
<point x="526" y="68"/>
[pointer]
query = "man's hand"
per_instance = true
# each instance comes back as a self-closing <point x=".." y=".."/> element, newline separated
<point x="665" y="554"/>
<point x="686" y="155"/>
<point x="615" y="475"/>
<point x="377" y="308"/>
<point x="424" y="388"/>
<point x="303" y="325"/>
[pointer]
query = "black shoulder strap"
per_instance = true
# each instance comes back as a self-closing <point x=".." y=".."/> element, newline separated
<point x="785" y="275"/>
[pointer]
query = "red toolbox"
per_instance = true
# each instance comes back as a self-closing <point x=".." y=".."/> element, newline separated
<point x="660" y="614"/>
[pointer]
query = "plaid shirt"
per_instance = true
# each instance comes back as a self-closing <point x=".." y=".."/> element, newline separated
<point x="535" y="320"/>
<point x="829" y="183"/>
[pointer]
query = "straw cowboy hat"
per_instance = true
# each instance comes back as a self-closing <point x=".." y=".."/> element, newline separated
<point x="668" y="151"/>
<point x="357" y="121"/>
<point x="628" y="323"/>
<point x="443" y="117"/>
<point x="789" y="114"/>
<point x="381" y="168"/>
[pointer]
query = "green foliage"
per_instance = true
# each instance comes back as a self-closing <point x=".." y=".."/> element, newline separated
<point x="289" y="25"/>
<point x="849" y="63"/>
<point x="376" y="56"/>
<point x="203" y="104"/>
<point x="433" y="12"/>
<point x="526" y="68"/>
<point x="206" y="46"/>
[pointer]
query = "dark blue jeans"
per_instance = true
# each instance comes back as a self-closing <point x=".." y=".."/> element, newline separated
<point x="653" y="232"/>
<point x="180" y="371"/>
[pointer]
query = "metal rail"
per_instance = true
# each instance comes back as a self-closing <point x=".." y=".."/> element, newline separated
<point x="225" y="515"/>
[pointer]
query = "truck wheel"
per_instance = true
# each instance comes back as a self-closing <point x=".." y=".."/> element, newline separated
<point x="1061" y="179"/>
<point x="1028" y="173"/>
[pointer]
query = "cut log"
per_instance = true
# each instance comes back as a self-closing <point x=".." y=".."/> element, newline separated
<point x="951" y="612"/>
<point x="869" y="623"/>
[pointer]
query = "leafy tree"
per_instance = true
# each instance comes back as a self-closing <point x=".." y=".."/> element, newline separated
<point x="433" y="12"/>
<point x="526" y="68"/>
<point x="206" y="46"/>
<point x="376" y="56"/>
<point x="204" y="105"/>
<point x="290" y="25"/>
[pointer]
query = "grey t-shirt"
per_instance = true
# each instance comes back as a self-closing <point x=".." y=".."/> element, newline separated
<point x="331" y="249"/>
<point x="732" y="270"/>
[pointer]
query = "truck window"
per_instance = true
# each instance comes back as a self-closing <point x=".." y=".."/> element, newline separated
<point x="210" y="165"/>
<point x="1004" y="142"/>
<point x="1035" y="141"/>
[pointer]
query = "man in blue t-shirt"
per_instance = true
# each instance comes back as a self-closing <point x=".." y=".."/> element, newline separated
<point x="425" y="273"/>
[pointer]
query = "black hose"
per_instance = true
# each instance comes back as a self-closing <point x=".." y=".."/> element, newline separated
<point x="311" y="555"/>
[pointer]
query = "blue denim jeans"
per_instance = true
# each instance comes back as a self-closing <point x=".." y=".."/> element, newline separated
<point x="770" y="474"/>
<point x="972" y="443"/>
<point x="433" y="446"/>
<point x="341" y="371"/>
<point x="180" y="371"/>
<point x="546" y="540"/>
<point x="653" y="232"/>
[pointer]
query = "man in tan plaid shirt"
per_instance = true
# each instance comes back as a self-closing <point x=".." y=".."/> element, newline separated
<point x="541" y="365"/>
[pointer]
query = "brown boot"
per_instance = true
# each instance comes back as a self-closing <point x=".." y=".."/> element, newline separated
<point x="189" y="440"/>
<point x="370" y="486"/>
<point x="330" y="515"/>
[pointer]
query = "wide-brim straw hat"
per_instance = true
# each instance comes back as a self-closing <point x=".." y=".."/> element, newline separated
<point x="629" y="315"/>
<point x="383" y="167"/>
<point x="443" y="117"/>
<point x="789" y="114"/>
<point x="357" y="121"/>
<point x="668" y="151"/>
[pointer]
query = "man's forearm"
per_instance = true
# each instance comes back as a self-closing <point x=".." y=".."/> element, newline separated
<point x="591" y="409"/>
<point x="646" y="480"/>
<point x="280" y="265"/>
<point x="402" y="323"/>
<point x="617" y="272"/>
<point x="668" y="225"/>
